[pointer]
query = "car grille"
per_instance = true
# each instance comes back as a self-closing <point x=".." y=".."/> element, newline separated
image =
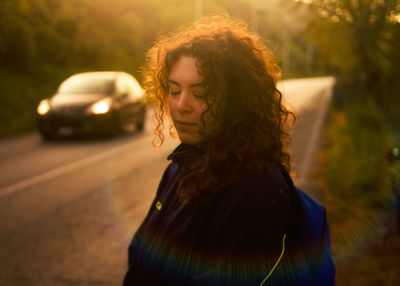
<point x="69" y="109"/>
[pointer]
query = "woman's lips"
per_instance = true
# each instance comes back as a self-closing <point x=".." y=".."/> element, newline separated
<point x="184" y="125"/>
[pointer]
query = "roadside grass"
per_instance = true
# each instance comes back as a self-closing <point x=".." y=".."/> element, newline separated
<point x="378" y="266"/>
<point x="394" y="111"/>
<point x="18" y="106"/>
<point x="19" y="97"/>
<point x="354" y="174"/>
<point x="355" y="158"/>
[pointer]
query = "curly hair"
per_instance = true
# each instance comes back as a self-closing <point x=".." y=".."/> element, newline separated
<point x="253" y="122"/>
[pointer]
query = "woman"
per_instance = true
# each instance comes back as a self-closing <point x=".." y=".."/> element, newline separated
<point x="225" y="212"/>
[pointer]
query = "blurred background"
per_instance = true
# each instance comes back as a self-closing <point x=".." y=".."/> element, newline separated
<point x="355" y="170"/>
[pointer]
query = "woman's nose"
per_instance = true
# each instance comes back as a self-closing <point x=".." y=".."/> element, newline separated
<point x="184" y="103"/>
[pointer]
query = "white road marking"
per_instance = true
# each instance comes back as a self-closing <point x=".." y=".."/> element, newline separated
<point x="62" y="170"/>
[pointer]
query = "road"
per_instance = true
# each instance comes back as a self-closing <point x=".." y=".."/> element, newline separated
<point x="69" y="208"/>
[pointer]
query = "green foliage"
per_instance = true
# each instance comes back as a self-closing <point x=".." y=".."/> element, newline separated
<point x="360" y="39"/>
<point x="355" y="140"/>
<point x="356" y="176"/>
<point x="19" y="96"/>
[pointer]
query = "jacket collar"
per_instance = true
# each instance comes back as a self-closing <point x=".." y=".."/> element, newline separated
<point x="183" y="152"/>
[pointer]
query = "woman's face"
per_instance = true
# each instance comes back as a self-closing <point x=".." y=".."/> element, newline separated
<point x="186" y="102"/>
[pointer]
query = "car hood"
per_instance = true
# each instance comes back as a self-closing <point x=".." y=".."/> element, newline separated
<point x="60" y="100"/>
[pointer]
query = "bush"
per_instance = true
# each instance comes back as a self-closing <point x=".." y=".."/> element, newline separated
<point x="354" y="150"/>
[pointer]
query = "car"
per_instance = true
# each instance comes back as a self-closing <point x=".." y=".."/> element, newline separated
<point x="93" y="103"/>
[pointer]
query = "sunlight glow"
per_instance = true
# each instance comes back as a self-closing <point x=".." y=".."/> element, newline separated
<point x="395" y="18"/>
<point x="304" y="1"/>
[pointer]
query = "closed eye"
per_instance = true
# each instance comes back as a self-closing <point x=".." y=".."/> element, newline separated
<point x="173" y="87"/>
<point x="199" y="96"/>
<point x="198" y="91"/>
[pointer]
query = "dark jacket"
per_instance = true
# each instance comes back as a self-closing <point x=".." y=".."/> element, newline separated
<point x="235" y="238"/>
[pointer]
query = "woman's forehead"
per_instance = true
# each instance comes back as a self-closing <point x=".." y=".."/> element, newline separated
<point x="185" y="70"/>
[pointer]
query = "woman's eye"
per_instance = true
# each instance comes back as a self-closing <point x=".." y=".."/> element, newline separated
<point x="198" y="92"/>
<point x="174" y="92"/>
<point x="199" y="96"/>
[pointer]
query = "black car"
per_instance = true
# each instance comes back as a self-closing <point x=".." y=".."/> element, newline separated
<point x="93" y="102"/>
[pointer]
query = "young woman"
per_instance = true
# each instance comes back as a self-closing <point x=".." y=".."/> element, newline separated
<point x="225" y="212"/>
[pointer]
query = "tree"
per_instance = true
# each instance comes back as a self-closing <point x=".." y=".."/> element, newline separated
<point x="370" y="29"/>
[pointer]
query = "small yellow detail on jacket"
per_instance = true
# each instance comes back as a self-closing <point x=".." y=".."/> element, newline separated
<point x="158" y="205"/>
<point x="279" y="259"/>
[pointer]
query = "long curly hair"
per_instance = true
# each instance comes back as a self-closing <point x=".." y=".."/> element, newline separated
<point x="253" y="121"/>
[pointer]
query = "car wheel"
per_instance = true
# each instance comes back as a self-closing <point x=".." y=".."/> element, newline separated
<point x="47" y="136"/>
<point x="139" y="126"/>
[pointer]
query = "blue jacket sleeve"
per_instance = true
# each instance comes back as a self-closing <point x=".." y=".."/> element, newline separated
<point x="314" y="242"/>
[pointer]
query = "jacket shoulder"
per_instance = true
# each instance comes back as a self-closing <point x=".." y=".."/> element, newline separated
<point x="266" y="187"/>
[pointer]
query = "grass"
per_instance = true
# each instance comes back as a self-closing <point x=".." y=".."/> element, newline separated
<point x="18" y="106"/>
<point x="355" y="177"/>
<point x="354" y="159"/>
<point x="20" y="94"/>
<point x="378" y="266"/>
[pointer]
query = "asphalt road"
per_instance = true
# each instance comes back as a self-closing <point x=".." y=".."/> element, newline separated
<point x="69" y="208"/>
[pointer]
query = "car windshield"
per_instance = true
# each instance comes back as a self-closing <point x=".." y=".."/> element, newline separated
<point x="87" y="84"/>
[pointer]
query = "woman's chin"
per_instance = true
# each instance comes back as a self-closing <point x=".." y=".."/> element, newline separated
<point x="190" y="139"/>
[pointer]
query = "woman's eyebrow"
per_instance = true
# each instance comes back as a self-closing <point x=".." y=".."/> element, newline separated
<point x="197" y="84"/>
<point x="192" y="85"/>
<point x="173" y="82"/>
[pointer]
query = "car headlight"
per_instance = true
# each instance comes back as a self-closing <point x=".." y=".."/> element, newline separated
<point x="100" y="107"/>
<point x="43" y="107"/>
